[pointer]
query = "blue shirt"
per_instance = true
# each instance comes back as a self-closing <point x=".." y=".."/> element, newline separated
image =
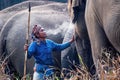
<point x="42" y="51"/>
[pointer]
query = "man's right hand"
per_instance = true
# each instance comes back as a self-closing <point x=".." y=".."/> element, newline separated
<point x="72" y="40"/>
<point x="26" y="47"/>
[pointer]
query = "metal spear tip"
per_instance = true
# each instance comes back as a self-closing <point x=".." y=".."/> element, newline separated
<point x="29" y="7"/>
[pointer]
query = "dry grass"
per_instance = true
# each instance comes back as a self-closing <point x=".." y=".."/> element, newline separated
<point x="3" y="76"/>
<point x="4" y="66"/>
<point x="109" y="66"/>
<point x="108" y="69"/>
<point x="79" y="72"/>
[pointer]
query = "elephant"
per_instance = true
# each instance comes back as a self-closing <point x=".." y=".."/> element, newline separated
<point x="50" y="15"/>
<point x="82" y="42"/>
<point x="69" y="56"/>
<point x="103" y="26"/>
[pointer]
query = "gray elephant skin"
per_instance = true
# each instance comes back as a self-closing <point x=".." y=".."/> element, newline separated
<point x="103" y="25"/>
<point x="82" y="42"/>
<point x="13" y="23"/>
<point x="98" y="23"/>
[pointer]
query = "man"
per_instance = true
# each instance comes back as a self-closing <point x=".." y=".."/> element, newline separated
<point x="41" y="49"/>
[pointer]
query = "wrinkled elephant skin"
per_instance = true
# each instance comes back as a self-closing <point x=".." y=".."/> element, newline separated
<point x="103" y="25"/>
<point x="51" y="15"/>
<point x="82" y="42"/>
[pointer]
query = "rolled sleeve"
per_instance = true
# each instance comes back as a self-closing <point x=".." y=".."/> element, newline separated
<point x="60" y="47"/>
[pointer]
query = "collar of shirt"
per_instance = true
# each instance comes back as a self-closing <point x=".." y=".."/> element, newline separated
<point x="40" y="42"/>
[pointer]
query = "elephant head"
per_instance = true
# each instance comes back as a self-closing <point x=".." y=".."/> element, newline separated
<point x="76" y="10"/>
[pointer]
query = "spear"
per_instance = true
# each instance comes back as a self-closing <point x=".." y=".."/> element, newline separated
<point x="27" y="37"/>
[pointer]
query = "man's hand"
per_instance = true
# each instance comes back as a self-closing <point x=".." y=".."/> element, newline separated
<point x="26" y="47"/>
<point x="72" y="40"/>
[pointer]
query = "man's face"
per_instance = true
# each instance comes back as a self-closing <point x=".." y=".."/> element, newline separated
<point x="42" y="33"/>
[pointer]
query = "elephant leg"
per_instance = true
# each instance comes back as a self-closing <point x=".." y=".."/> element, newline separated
<point x="84" y="50"/>
<point x="82" y="42"/>
<point x="112" y="28"/>
<point x="3" y="48"/>
<point x="97" y="36"/>
<point x="69" y="56"/>
<point x="69" y="59"/>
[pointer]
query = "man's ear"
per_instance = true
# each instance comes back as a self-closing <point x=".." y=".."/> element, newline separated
<point x="37" y="35"/>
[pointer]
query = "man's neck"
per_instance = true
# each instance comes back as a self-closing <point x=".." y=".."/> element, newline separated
<point x="42" y="39"/>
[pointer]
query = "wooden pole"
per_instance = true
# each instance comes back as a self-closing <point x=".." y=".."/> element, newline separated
<point x="27" y="37"/>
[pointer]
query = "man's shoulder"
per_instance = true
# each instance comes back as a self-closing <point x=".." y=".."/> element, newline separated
<point x="33" y="43"/>
<point x="49" y="41"/>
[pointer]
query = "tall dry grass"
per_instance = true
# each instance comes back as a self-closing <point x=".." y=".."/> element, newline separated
<point x="109" y="65"/>
<point x="108" y="69"/>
